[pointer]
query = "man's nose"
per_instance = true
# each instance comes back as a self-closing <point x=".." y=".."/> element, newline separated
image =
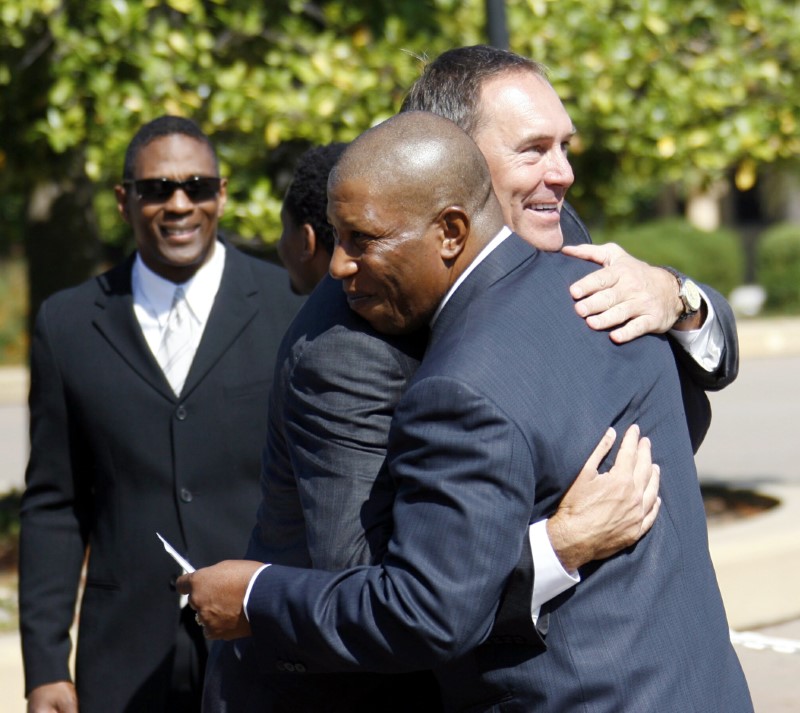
<point x="559" y="169"/>
<point x="342" y="265"/>
<point x="179" y="202"/>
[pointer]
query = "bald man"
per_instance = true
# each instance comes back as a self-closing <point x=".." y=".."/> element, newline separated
<point x="505" y="405"/>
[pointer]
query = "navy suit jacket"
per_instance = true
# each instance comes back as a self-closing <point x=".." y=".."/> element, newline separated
<point x="116" y="456"/>
<point x="505" y="408"/>
<point x="694" y="380"/>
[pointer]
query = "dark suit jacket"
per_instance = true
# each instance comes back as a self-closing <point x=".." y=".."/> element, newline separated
<point x="115" y="457"/>
<point x="694" y="380"/>
<point x="508" y="402"/>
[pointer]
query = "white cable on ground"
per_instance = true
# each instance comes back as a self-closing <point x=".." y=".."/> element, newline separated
<point x="758" y="641"/>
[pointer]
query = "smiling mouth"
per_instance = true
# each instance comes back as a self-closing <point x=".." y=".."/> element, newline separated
<point x="357" y="298"/>
<point x="543" y="207"/>
<point x="182" y="232"/>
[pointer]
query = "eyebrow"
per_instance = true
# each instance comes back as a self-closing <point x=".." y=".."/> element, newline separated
<point x="534" y="138"/>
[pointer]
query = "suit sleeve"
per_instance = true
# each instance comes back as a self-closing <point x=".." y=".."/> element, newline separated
<point x="461" y="507"/>
<point x="53" y="520"/>
<point x="323" y="467"/>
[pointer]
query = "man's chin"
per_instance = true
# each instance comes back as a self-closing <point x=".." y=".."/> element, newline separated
<point x="385" y="325"/>
<point x="544" y="237"/>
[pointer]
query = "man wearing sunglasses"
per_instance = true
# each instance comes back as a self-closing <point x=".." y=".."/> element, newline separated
<point x="147" y="415"/>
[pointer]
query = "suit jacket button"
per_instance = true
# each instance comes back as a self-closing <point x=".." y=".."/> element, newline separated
<point x="181" y="413"/>
<point x="281" y="666"/>
<point x="186" y="495"/>
<point x="299" y="668"/>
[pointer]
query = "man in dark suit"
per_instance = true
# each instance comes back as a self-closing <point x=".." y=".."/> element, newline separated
<point x="126" y="442"/>
<point x="503" y="409"/>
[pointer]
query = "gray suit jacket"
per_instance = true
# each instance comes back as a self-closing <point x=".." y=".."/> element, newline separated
<point x="326" y="498"/>
<point x="115" y="456"/>
<point x="508" y="402"/>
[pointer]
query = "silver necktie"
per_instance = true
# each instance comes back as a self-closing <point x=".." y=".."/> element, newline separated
<point x="176" y="351"/>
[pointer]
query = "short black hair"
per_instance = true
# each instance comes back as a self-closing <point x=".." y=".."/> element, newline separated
<point x="166" y="125"/>
<point x="450" y="86"/>
<point x="306" y="199"/>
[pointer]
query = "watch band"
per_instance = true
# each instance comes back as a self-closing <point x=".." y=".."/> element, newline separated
<point x="687" y="292"/>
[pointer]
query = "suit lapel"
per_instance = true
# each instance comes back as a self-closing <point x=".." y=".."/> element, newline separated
<point x="116" y="320"/>
<point x="234" y="307"/>
<point x="503" y="260"/>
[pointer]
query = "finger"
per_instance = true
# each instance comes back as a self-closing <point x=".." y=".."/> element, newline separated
<point x="650" y="517"/>
<point x="631" y="330"/>
<point x="597" y="303"/>
<point x="650" y="494"/>
<point x="600" y="254"/>
<point x="183" y="584"/>
<point x="628" y="449"/>
<point x="591" y="284"/>
<point x="643" y="467"/>
<point x="600" y="451"/>
<point x="617" y="316"/>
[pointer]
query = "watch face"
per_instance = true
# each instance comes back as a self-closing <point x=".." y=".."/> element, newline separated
<point x="692" y="295"/>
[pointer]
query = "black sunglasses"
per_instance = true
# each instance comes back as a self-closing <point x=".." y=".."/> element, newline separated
<point x="159" y="190"/>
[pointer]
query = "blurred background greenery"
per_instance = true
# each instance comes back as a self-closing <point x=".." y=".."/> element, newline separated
<point x="687" y="110"/>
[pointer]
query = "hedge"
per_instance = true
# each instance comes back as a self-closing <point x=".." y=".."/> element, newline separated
<point x="715" y="258"/>
<point x="778" y="267"/>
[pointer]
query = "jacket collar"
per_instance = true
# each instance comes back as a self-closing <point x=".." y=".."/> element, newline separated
<point x="235" y="306"/>
<point x="508" y="256"/>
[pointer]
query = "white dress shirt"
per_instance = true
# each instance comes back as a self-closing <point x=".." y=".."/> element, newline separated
<point x="152" y="297"/>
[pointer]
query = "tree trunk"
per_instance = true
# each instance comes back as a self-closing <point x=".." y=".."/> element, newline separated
<point x="61" y="237"/>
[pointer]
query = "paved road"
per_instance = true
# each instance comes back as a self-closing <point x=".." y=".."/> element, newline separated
<point x="13" y="445"/>
<point x="754" y="441"/>
<point x="754" y="434"/>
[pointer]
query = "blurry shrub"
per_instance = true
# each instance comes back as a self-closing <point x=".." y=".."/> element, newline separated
<point x="13" y="312"/>
<point x="778" y="267"/>
<point x="715" y="258"/>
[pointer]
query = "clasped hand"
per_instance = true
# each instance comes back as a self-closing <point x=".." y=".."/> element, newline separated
<point x="216" y="594"/>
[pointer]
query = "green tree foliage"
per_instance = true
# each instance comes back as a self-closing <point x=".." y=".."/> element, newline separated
<point x="259" y="78"/>
<point x="682" y="92"/>
<point x="678" y="92"/>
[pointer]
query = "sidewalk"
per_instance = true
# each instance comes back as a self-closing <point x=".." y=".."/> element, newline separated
<point x="752" y="443"/>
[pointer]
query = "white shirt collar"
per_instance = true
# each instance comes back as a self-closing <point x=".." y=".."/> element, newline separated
<point x="482" y="255"/>
<point x="153" y="293"/>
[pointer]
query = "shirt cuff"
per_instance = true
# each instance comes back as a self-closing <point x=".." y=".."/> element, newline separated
<point x="549" y="576"/>
<point x="704" y="345"/>
<point x="250" y="588"/>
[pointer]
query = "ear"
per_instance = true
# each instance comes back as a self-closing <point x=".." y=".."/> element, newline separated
<point x="454" y="223"/>
<point x="309" y="243"/>
<point x="222" y="199"/>
<point x="122" y="202"/>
